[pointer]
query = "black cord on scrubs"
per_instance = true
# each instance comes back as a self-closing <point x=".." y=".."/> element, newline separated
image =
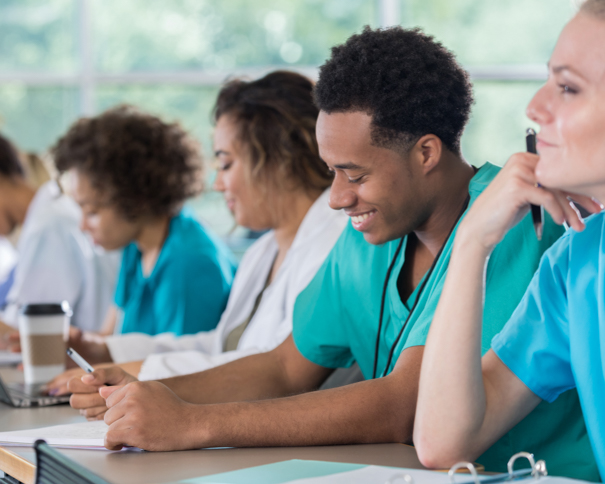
<point x="424" y="282"/>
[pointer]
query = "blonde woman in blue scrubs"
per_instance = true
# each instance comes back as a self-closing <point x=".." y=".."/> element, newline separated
<point x="554" y="340"/>
<point x="131" y="174"/>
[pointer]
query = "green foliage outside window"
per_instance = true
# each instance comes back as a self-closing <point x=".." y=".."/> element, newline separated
<point x="41" y="39"/>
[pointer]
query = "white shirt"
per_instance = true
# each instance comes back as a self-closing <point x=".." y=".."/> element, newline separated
<point x="166" y="355"/>
<point x="8" y="258"/>
<point x="57" y="262"/>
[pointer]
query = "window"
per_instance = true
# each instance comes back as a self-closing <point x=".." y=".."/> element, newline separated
<point x="60" y="59"/>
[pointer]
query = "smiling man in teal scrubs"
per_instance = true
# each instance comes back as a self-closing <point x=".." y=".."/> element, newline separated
<point x="393" y="104"/>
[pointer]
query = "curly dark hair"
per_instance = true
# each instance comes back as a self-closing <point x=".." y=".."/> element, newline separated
<point x="276" y="117"/>
<point x="10" y="164"/>
<point x="409" y="83"/>
<point x="146" y="166"/>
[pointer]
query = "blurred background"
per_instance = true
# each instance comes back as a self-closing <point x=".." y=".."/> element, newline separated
<point x="61" y="59"/>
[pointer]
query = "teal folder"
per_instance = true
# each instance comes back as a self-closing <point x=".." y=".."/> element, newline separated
<point x="277" y="473"/>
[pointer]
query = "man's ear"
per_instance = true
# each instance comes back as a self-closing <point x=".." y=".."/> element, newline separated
<point x="427" y="151"/>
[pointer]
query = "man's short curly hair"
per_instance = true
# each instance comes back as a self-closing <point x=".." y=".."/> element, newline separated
<point x="409" y="83"/>
<point x="147" y="167"/>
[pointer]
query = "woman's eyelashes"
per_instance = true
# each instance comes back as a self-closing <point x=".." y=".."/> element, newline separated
<point x="224" y="166"/>
<point x="567" y="89"/>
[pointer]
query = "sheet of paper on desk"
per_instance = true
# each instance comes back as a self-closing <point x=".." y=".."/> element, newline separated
<point x="320" y="472"/>
<point x="8" y="358"/>
<point x="379" y="475"/>
<point x="88" y="435"/>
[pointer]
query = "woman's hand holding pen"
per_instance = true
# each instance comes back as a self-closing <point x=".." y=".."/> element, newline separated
<point x="507" y="200"/>
<point x="86" y="390"/>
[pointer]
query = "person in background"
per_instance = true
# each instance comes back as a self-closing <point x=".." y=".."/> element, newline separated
<point x="553" y="343"/>
<point x="272" y="177"/>
<point x="36" y="174"/>
<point x="8" y="262"/>
<point x="131" y="174"/>
<point x="393" y="106"/>
<point x="55" y="260"/>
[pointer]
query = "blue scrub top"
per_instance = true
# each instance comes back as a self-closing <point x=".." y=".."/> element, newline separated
<point x="187" y="289"/>
<point x="555" y="340"/>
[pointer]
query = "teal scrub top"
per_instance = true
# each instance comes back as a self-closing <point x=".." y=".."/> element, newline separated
<point x="336" y="320"/>
<point x="187" y="290"/>
<point x="555" y="340"/>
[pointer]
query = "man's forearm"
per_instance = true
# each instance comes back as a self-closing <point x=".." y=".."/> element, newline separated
<point x="251" y="378"/>
<point x="368" y="412"/>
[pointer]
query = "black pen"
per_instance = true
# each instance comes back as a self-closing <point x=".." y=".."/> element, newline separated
<point x="537" y="211"/>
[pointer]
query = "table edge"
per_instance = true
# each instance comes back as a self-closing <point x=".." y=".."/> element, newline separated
<point x="17" y="466"/>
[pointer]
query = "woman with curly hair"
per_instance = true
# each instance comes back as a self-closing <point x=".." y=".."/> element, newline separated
<point x="55" y="261"/>
<point x="131" y="173"/>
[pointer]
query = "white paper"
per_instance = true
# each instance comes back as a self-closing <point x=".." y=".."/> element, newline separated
<point x="8" y="358"/>
<point x="378" y="475"/>
<point x="81" y="435"/>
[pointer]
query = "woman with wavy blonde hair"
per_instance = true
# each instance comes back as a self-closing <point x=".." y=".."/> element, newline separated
<point x="553" y="341"/>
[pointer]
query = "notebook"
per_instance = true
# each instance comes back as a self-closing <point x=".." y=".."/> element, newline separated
<point x="83" y="435"/>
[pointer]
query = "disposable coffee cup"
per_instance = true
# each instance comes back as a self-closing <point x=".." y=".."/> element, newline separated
<point x="43" y="331"/>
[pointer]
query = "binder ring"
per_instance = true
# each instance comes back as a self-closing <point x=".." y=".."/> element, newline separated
<point x="404" y="477"/>
<point x="459" y="465"/>
<point x="538" y="469"/>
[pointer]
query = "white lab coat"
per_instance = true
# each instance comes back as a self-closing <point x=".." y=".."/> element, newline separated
<point x="166" y="355"/>
<point x="8" y="258"/>
<point x="57" y="262"/>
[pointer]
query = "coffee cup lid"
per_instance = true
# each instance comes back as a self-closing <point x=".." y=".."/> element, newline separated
<point x="45" y="309"/>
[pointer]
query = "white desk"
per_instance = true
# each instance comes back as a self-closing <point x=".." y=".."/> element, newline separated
<point x="165" y="467"/>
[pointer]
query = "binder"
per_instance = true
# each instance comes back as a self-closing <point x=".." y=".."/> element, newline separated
<point x="536" y="470"/>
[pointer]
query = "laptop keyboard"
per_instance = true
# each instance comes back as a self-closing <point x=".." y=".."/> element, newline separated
<point x="23" y="390"/>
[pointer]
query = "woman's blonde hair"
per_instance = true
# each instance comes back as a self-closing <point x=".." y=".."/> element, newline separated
<point x="595" y="8"/>
<point x="17" y="164"/>
<point x="37" y="170"/>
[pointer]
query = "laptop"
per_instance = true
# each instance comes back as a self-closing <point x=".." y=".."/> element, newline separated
<point x="22" y="395"/>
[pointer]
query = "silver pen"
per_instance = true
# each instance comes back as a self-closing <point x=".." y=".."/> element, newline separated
<point x="78" y="360"/>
